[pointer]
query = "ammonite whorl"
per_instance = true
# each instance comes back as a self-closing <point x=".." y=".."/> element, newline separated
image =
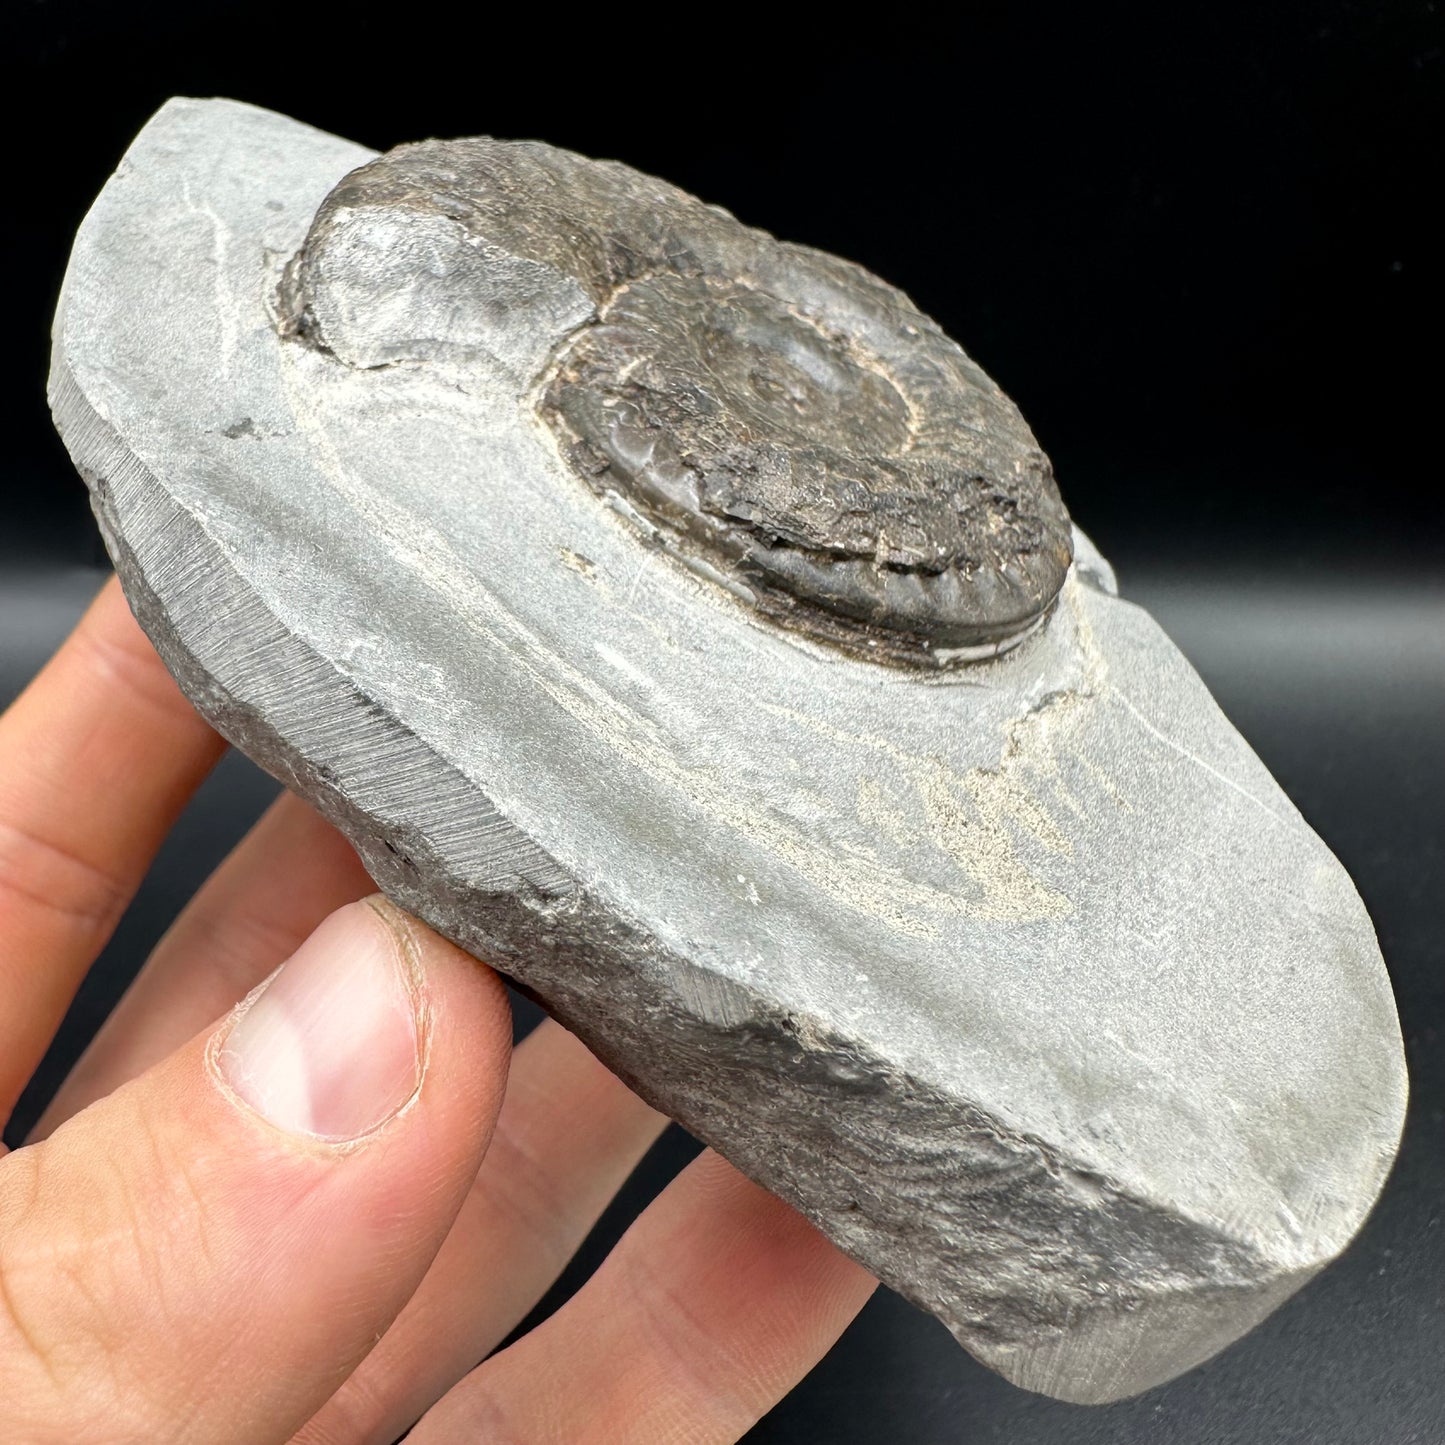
<point x="787" y="422"/>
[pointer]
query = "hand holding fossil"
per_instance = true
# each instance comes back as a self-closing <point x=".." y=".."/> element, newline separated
<point x="312" y="1218"/>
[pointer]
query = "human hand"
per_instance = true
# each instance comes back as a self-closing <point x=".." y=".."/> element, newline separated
<point x="312" y="1218"/>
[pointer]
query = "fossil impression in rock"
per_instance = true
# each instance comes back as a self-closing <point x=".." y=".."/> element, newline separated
<point x="680" y="621"/>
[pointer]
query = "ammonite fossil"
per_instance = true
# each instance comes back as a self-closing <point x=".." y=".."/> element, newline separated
<point x="780" y="417"/>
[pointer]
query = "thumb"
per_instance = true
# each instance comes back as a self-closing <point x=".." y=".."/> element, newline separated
<point x="209" y="1252"/>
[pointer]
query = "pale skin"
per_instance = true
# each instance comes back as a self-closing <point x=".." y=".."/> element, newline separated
<point x="211" y="1237"/>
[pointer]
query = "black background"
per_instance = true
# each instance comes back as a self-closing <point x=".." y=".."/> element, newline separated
<point x="1196" y="246"/>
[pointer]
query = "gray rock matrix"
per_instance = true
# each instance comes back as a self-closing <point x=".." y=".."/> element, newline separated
<point x="679" y="621"/>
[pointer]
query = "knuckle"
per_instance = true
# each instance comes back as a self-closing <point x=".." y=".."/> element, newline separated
<point x="41" y="873"/>
<point x="357" y="1411"/>
<point x="479" y="1409"/>
<point x="517" y="1181"/>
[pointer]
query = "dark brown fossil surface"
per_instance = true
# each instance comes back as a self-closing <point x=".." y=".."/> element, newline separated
<point x="782" y="417"/>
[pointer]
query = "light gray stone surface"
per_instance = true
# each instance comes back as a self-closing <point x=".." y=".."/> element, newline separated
<point x="1022" y="979"/>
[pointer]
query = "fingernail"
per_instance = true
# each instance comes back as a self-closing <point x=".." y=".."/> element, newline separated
<point x="330" y="1047"/>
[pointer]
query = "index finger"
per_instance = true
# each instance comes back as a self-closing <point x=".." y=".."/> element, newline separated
<point x="97" y="758"/>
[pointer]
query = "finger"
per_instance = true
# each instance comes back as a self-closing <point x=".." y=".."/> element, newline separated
<point x="205" y="1254"/>
<point x="715" y="1303"/>
<point x="568" y="1135"/>
<point x="97" y="757"/>
<point x="279" y="882"/>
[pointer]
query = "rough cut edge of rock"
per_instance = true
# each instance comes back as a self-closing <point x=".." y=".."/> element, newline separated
<point x="1009" y="1243"/>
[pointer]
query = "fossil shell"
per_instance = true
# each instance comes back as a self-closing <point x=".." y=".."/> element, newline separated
<point x="779" y="416"/>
